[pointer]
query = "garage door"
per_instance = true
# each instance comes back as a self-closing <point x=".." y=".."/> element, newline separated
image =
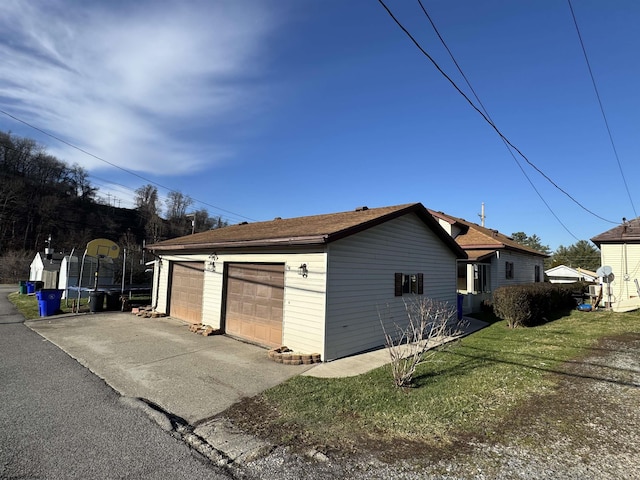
<point x="187" y="281"/>
<point x="255" y="295"/>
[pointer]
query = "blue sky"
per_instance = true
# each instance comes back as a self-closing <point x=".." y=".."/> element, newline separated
<point x="258" y="109"/>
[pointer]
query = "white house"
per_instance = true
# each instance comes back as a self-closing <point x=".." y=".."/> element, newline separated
<point x="318" y="284"/>
<point x="620" y="250"/>
<point x="493" y="260"/>
<point x="565" y="274"/>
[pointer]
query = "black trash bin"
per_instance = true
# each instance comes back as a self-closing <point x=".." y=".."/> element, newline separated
<point x="113" y="301"/>
<point x="96" y="301"/>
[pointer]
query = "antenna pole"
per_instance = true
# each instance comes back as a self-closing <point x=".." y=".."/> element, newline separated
<point x="482" y="216"/>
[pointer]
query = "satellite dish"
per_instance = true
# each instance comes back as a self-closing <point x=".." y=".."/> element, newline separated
<point x="101" y="248"/>
<point x="604" y="271"/>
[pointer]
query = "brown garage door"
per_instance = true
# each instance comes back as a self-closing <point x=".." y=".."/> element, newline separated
<point x="187" y="281"/>
<point x="255" y="295"/>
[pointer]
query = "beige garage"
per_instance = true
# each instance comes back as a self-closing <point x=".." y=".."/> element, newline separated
<point x="187" y="283"/>
<point x="254" y="302"/>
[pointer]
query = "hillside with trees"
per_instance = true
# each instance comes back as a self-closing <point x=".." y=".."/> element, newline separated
<point x="41" y="195"/>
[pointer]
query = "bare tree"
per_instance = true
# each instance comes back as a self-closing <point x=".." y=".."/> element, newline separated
<point x="429" y="323"/>
<point x="204" y="222"/>
<point x="148" y="206"/>
<point x="177" y="204"/>
<point x="14" y="266"/>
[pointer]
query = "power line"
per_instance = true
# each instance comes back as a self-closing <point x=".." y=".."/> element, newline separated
<point x="114" y="165"/>
<point x="435" y="64"/>
<point x="604" y="116"/>
<point x="444" y="44"/>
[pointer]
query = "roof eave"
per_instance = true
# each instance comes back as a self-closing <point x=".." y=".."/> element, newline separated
<point x="288" y="242"/>
<point x="502" y="246"/>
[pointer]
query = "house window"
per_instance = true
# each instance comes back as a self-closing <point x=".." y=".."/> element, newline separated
<point x="537" y="273"/>
<point x="406" y="283"/>
<point x="508" y="270"/>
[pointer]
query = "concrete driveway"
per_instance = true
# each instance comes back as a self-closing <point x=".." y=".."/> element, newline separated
<point x="160" y="360"/>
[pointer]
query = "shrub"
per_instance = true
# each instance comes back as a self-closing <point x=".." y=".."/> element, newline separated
<point x="429" y="323"/>
<point x="530" y="304"/>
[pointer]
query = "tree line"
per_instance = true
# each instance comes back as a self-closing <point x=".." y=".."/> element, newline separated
<point x="42" y="196"/>
<point x="581" y="254"/>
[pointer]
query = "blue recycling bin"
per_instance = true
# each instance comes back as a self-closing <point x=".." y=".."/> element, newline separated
<point x="48" y="301"/>
<point x="31" y="287"/>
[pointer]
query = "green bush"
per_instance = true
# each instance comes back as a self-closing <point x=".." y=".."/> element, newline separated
<point x="530" y="304"/>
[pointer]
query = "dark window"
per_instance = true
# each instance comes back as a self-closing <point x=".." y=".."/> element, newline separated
<point x="405" y="283"/>
<point x="508" y="270"/>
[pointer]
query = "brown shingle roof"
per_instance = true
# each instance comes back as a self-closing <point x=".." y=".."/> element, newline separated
<point x="628" y="232"/>
<point x="316" y="229"/>
<point x="476" y="237"/>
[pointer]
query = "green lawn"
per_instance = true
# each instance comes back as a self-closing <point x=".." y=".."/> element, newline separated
<point x="28" y="304"/>
<point x="467" y="389"/>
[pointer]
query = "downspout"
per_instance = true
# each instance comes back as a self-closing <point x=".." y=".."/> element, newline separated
<point x="159" y="263"/>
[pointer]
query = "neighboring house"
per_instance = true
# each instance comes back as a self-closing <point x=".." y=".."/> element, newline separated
<point x="493" y="260"/>
<point x="620" y="250"/>
<point x="565" y="274"/>
<point x="46" y="268"/>
<point x="319" y="284"/>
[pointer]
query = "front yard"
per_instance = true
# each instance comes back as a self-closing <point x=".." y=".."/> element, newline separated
<point x="487" y="389"/>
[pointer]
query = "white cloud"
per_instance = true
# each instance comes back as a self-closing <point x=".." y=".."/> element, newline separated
<point x="126" y="80"/>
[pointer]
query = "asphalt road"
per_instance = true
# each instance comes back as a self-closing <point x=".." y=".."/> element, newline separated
<point x="58" y="420"/>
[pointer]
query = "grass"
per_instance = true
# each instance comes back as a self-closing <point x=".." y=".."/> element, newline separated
<point x="468" y="388"/>
<point x="28" y="304"/>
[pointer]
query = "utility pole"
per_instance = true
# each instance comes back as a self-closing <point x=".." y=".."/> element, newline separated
<point x="193" y="222"/>
<point x="49" y="251"/>
<point x="481" y="215"/>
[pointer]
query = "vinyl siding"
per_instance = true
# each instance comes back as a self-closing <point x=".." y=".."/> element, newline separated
<point x="161" y="285"/>
<point x="624" y="260"/>
<point x="360" y="282"/>
<point x="523" y="268"/>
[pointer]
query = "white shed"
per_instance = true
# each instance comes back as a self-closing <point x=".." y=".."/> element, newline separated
<point x="46" y="270"/>
<point x="319" y="284"/>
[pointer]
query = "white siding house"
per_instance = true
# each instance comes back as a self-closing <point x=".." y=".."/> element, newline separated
<point x="565" y="274"/>
<point x="319" y="284"/>
<point x="620" y="250"/>
<point x="493" y="260"/>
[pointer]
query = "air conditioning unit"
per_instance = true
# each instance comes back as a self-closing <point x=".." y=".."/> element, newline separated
<point x="593" y="290"/>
